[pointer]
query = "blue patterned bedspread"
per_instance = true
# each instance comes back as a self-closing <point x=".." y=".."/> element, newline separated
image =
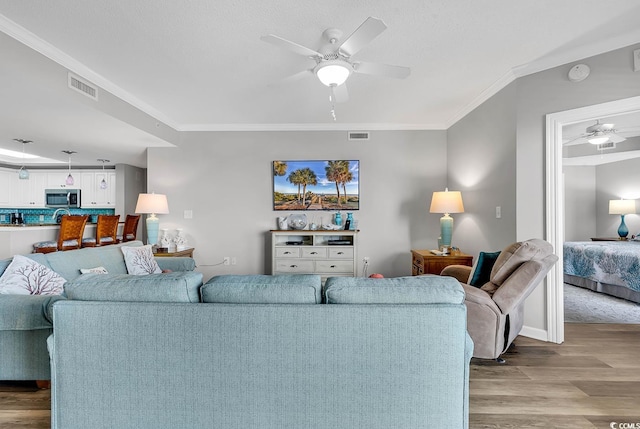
<point x="612" y="262"/>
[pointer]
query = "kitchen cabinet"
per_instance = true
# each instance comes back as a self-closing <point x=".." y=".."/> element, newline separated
<point x="92" y="196"/>
<point x="29" y="193"/>
<point x="6" y="182"/>
<point x="58" y="179"/>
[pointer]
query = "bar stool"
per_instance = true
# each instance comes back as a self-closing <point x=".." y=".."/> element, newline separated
<point x="130" y="229"/>
<point x="106" y="230"/>
<point x="69" y="237"/>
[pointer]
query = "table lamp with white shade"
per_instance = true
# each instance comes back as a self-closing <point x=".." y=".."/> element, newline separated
<point x="622" y="208"/>
<point x="152" y="204"/>
<point x="446" y="202"/>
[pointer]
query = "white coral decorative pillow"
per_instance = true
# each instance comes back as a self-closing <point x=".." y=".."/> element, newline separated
<point x="24" y="276"/>
<point x="140" y="260"/>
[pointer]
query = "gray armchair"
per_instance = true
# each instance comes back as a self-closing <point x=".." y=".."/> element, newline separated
<point x="495" y="311"/>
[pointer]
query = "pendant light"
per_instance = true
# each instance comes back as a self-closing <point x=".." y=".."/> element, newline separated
<point x="23" y="173"/>
<point x="69" y="180"/>
<point x="103" y="182"/>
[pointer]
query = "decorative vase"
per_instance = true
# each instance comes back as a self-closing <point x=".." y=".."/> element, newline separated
<point x="298" y="221"/>
<point x="165" y="241"/>
<point x="179" y="240"/>
<point x="338" y="219"/>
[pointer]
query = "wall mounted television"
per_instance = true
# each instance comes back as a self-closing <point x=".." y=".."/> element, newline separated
<point x="316" y="185"/>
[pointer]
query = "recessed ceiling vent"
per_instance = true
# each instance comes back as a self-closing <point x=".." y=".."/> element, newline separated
<point x="358" y="135"/>
<point x="606" y="146"/>
<point x="82" y="86"/>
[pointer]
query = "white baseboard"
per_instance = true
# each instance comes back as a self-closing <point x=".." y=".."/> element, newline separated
<point x="535" y="333"/>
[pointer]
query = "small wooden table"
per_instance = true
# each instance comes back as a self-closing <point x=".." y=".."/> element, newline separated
<point x="186" y="252"/>
<point x="425" y="262"/>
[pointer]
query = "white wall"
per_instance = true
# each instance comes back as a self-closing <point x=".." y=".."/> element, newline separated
<point x="225" y="178"/>
<point x="579" y="203"/>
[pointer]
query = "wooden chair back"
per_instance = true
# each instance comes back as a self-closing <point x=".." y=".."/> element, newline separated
<point x="130" y="229"/>
<point x="71" y="231"/>
<point x="107" y="229"/>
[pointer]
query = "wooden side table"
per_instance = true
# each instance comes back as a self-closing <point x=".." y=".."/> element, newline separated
<point x="425" y="262"/>
<point x="186" y="252"/>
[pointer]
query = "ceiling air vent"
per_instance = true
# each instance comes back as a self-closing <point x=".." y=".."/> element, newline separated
<point x="358" y="135"/>
<point x="606" y="146"/>
<point x="78" y="84"/>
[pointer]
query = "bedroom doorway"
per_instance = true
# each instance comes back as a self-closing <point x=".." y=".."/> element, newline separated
<point x="555" y="197"/>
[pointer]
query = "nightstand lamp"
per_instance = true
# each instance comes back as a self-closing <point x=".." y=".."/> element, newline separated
<point x="446" y="202"/>
<point x="622" y="207"/>
<point x="152" y="204"/>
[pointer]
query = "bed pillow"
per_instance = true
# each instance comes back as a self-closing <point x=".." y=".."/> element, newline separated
<point x="140" y="260"/>
<point x="482" y="269"/>
<point x="24" y="276"/>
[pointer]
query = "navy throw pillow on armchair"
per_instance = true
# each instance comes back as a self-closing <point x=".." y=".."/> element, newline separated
<point x="482" y="270"/>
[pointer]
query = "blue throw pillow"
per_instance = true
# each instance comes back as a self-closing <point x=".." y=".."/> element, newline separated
<point x="482" y="271"/>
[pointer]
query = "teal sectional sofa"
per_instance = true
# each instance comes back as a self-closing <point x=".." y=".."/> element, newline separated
<point x="26" y="321"/>
<point x="267" y="352"/>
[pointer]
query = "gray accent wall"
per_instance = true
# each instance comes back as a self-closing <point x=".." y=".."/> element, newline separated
<point x="579" y="203"/>
<point x="614" y="181"/>
<point x="536" y="95"/>
<point x="225" y="178"/>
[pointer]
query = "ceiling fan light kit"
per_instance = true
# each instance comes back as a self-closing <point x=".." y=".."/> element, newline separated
<point x="333" y="72"/>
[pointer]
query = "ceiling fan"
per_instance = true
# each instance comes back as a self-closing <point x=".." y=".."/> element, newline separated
<point x="597" y="134"/>
<point x="334" y="62"/>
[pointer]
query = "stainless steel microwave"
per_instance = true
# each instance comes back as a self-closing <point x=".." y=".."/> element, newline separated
<point x="69" y="198"/>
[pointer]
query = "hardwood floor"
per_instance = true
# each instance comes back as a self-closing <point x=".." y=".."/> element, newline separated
<point x="590" y="381"/>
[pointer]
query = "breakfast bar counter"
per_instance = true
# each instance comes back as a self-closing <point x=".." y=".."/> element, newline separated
<point x="19" y="239"/>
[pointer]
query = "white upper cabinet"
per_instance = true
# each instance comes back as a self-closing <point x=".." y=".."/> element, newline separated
<point x="6" y="183"/>
<point x="29" y="193"/>
<point x="93" y="195"/>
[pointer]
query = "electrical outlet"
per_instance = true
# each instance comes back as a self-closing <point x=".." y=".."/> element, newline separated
<point x="498" y="212"/>
<point x="41" y="218"/>
<point x="3" y="218"/>
<point x="636" y="60"/>
<point x="226" y="260"/>
<point x="233" y="260"/>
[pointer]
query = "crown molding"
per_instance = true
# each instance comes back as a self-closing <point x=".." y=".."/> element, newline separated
<point x="312" y="127"/>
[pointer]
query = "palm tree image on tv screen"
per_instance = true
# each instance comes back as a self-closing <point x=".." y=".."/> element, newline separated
<point x="316" y="185"/>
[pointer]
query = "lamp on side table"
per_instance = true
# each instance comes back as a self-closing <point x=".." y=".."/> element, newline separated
<point x="152" y="204"/>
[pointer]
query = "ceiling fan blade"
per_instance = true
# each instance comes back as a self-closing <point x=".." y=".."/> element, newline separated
<point x="292" y="46"/>
<point x="397" y="72"/>
<point x="576" y="140"/>
<point x="341" y="93"/>
<point x="293" y="78"/>
<point x="362" y="36"/>
<point x="615" y="137"/>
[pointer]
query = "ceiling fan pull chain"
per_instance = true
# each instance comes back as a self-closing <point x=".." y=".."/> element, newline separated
<point x="332" y="99"/>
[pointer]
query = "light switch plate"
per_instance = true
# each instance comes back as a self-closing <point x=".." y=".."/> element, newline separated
<point x="188" y="214"/>
<point x="636" y="60"/>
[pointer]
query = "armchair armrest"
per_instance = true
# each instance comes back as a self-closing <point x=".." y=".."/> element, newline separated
<point x="459" y="272"/>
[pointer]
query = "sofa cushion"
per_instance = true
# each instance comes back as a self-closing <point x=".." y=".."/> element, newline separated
<point x="482" y="269"/>
<point x="515" y="255"/>
<point x="69" y="263"/>
<point x="263" y="289"/>
<point x="140" y="260"/>
<point x="26" y="312"/>
<point x="170" y="287"/>
<point x="427" y="289"/>
<point x="24" y="276"/>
